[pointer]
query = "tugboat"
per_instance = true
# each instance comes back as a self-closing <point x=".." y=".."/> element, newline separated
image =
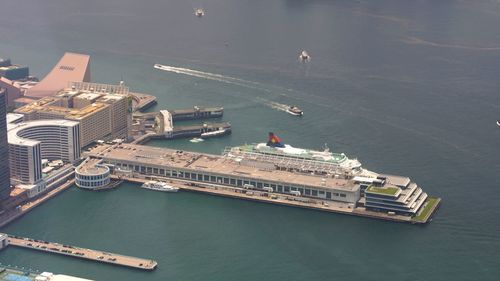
<point x="199" y="12"/>
<point x="304" y="56"/>
<point x="294" y="110"/>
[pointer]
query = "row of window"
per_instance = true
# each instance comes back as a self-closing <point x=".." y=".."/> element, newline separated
<point x="93" y="177"/>
<point x="235" y="182"/>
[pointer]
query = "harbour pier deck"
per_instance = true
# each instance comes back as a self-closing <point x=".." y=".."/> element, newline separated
<point x="250" y="180"/>
<point x="82" y="253"/>
<point x="274" y="198"/>
<point x="196" y="113"/>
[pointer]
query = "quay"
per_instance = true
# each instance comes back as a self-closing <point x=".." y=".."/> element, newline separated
<point x="82" y="253"/>
<point x="271" y="198"/>
<point x="13" y="214"/>
<point x="197" y="113"/>
<point x="278" y="183"/>
<point x="142" y="102"/>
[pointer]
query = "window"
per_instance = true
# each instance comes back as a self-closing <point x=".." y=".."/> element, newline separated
<point x="287" y="188"/>
<point x="314" y="192"/>
<point x="226" y="180"/>
<point x="233" y="182"/>
<point x="259" y="185"/>
<point x="200" y="177"/>
<point x="240" y="183"/>
<point x="212" y="179"/>
<point x="206" y="177"/>
<point x="193" y="176"/>
<point x="343" y="195"/>
<point x="329" y="195"/>
<point x="308" y="192"/>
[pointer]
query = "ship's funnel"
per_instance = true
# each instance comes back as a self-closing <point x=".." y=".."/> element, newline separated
<point x="274" y="141"/>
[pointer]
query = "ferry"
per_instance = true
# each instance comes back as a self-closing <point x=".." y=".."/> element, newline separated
<point x="159" y="186"/>
<point x="304" y="56"/>
<point x="294" y="110"/>
<point x="199" y="12"/>
<point x="216" y="133"/>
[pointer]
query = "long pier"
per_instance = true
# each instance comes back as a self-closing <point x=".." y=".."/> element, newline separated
<point x="279" y="199"/>
<point x="82" y="253"/>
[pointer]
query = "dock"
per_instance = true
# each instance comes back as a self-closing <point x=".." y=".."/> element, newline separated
<point x="82" y="253"/>
<point x="141" y="101"/>
<point x="196" y="113"/>
<point x="278" y="199"/>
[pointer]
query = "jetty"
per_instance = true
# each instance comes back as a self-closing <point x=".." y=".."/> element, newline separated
<point x="82" y="253"/>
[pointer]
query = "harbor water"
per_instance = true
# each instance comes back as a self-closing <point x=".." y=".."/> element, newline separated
<point x="408" y="87"/>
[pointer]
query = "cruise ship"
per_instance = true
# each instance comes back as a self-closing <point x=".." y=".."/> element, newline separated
<point x="325" y="161"/>
<point x="159" y="186"/>
<point x="283" y="174"/>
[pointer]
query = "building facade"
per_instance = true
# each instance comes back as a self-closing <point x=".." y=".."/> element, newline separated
<point x="30" y="142"/>
<point x="4" y="149"/>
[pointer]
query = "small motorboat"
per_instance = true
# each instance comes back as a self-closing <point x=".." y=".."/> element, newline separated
<point x="498" y="123"/>
<point x="199" y="12"/>
<point x="294" y="110"/>
<point x="304" y="56"/>
<point x="217" y="133"/>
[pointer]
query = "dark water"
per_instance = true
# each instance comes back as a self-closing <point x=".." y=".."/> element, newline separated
<point x="409" y="87"/>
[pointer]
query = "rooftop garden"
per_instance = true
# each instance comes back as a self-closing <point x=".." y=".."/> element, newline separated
<point x="391" y="191"/>
<point x="429" y="205"/>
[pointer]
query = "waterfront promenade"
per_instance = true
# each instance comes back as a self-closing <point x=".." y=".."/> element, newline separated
<point x="10" y="215"/>
<point x="83" y="253"/>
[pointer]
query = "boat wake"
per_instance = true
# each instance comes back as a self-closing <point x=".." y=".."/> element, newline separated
<point x="212" y="76"/>
<point x="228" y="80"/>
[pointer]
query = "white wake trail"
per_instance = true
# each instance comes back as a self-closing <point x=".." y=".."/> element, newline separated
<point x="212" y="76"/>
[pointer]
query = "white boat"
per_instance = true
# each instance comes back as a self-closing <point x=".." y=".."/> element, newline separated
<point x="304" y="56"/>
<point x="294" y="110"/>
<point x="217" y="133"/>
<point x="159" y="186"/>
<point x="196" y="140"/>
<point x="498" y="123"/>
<point x="199" y="12"/>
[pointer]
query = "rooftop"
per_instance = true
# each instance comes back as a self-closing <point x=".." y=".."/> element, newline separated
<point x="214" y="163"/>
<point x="14" y="129"/>
<point x="91" y="167"/>
<point x="386" y="190"/>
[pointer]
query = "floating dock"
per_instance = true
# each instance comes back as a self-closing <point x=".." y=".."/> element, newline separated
<point x="82" y="253"/>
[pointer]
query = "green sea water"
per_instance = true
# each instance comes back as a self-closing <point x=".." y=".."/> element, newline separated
<point x="408" y="87"/>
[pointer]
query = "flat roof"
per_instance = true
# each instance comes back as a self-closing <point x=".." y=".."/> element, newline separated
<point x="13" y="130"/>
<point x="214" y="164"/>
<point x="90" y="167"/>
<point x="88" y="96"/>
<point x="13" y="117"/>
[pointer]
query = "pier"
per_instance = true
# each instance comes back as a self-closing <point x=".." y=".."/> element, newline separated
<point x="196" y="113"/>
<point x="255" y="181"/>
<point x="82" y="253"/>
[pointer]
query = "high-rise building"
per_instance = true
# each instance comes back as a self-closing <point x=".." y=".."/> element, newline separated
<point x="32" y="141"/>
<point x="4" y="149"/>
